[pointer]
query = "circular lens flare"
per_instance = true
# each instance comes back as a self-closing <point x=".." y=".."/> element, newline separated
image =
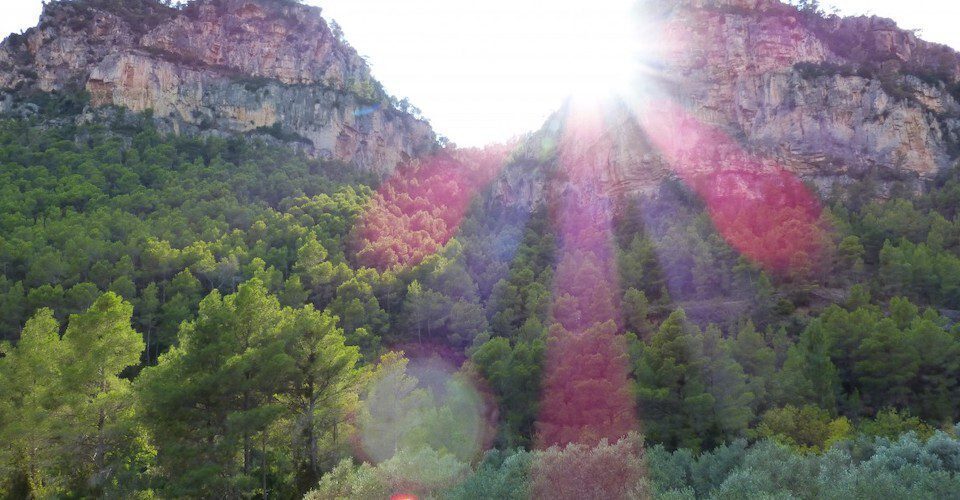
<point x="422" y="404"/>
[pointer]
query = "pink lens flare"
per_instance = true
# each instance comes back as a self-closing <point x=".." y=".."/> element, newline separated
<point x="416" y="212"/>
<point x="586" y="391"/>
<point x="762" y="210"/>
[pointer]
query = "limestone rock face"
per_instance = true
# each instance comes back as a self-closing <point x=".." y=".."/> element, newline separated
<point x="830" y="99"/>
<point x="261" y="41"/>
<point x="270" y="66"/>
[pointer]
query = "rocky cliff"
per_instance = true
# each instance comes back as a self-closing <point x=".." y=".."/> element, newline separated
<point x="254" y="66"/>
<point x="833" y="100"/>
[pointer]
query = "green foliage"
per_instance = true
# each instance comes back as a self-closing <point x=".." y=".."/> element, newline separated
<point x="921" y="272"/>
<point x="801" y="386"/>
<point x="319" y="392"/>
<point x="363" y="320"/>
<point x="277" y="131"/>
<point x="809" y="428"/>
<point x="347" y="480"/>
<point x="162" y="221"/>
<point x="442" y="303"/>
<point x="243" y="366"/>
<point x="692" y="393"/>
<point x="861" y="361"/>
<point x="422" y="473"/>
<point x="501" y="474"/>
<point x="211" y="396"/>
<point x="141" y="15"/>
<point x="67" y="417"/>
<point x="509" y="369"/>
<point x="524" y="294"/>
<point x="759" y="363"/>
<point x="66" y="102"/>
<point x="904" y="468"/>
<point x="29" y="386"/>
<point x="892" y="424"/>
<point x="400" y="413"/>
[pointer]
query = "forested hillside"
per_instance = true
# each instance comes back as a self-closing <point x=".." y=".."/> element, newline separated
<point x="635" y="301"/>
<point x="210" y="317"/>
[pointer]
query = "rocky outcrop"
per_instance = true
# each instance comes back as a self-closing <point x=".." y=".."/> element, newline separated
<point x="830" y="99"/>
<point x="264" y="66"/>
<point x="796" y="84"/>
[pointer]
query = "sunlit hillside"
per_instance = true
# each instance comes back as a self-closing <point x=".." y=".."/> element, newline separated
<point x="233" y="264"/>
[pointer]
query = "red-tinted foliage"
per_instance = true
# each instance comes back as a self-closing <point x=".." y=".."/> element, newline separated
<point x="587" y="393"/>
<point x="586" y="389"/>
<point x="420" y="208"/>
<point x="771" y="218"/>
<point x="600" y="472"/>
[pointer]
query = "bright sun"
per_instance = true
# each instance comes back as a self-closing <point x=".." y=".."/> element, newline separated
<point x="486" y="71"/>
<point x="604" y="54"/>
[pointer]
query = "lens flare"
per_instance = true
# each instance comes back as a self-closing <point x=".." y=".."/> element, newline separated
<point x="416" y="212"/>
<point x="763" y="211"/>
<point x="604" y="60"/>
<point x="587" y="393"/>
<point x="422" y="404"/>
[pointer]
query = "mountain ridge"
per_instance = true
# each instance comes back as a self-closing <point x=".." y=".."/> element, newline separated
<point x="833" y="100"/>
<point x="271" y="67"/>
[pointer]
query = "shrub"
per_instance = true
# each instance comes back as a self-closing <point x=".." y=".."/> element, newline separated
<point x="577" y="471"/>
<point x="808" y="428"/>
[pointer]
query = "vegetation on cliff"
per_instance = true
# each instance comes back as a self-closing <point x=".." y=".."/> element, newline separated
<point x="130" y="229"/>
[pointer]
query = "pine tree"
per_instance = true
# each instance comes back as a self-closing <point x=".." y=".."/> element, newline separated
<point x="587" y="395"/>
<point x="935" y="387"/>
<point x="66" y="411"/>
<point x="636" y="310"/>
<point x="887" y="362"/>
<point x="808" y="374"/>
<point x="212" y="396"/>
<point x="758" y="361"/>
<point x="30" y="395"/>
<point x="727" y="383"/>
<point x="320" y="390"/>
<point x="360" y="313"/>
<point x="100" y="345"/>
<point x="315" y="271"/>
<point x="514" y="373"/>
<point x="692" y="393"/>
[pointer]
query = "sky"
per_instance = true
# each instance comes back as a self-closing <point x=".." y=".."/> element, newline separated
<point x="485" y="71"/>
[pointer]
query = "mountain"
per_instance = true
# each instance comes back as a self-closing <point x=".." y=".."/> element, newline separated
<point x="769" y="86"/>
<point x="832" y="99"/>
<point x="740" y="280"/>
<point x="271" y="67"/>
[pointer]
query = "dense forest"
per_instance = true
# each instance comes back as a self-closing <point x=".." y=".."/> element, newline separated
<point x="208" y="317"/>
